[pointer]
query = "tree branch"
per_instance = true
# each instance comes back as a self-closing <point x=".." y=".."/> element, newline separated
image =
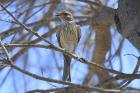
<point x="82" y="60"/>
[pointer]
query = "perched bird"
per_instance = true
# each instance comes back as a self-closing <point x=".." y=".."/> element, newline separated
<point x="68" y="36"/>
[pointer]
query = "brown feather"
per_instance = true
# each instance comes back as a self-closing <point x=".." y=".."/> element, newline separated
<point x="68" y="36"/>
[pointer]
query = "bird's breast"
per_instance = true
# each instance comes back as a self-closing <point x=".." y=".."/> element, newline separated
<point x="68" y="37"/>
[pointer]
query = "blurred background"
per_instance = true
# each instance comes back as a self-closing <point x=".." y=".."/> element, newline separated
<point x="115" y="52"/>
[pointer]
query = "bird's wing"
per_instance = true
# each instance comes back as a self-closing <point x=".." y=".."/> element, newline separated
<point x="58" y="35"/>
<point x="78" y="32"/>
<point x="117" y="22"/>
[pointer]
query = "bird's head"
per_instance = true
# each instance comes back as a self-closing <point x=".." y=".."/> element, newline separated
<point x="65" y="15"/>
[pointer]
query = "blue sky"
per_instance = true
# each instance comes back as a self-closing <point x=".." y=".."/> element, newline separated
<point x="43" y="62"/>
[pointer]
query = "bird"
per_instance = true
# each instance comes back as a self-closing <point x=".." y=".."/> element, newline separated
<point x="68" y="36"/>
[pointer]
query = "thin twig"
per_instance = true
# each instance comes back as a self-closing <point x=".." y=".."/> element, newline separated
<point x="72" y="89"/>
<point x="127" y="82"/>
<point x="9" y="61"/>
<point x="82" y="60"/>
<point x="28" y="45"/>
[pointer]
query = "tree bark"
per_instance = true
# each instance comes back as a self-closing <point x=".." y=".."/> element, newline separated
<point x="129" y="16"/>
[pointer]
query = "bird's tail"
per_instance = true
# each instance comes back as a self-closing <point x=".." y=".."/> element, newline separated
<point x="66" y="71"/>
